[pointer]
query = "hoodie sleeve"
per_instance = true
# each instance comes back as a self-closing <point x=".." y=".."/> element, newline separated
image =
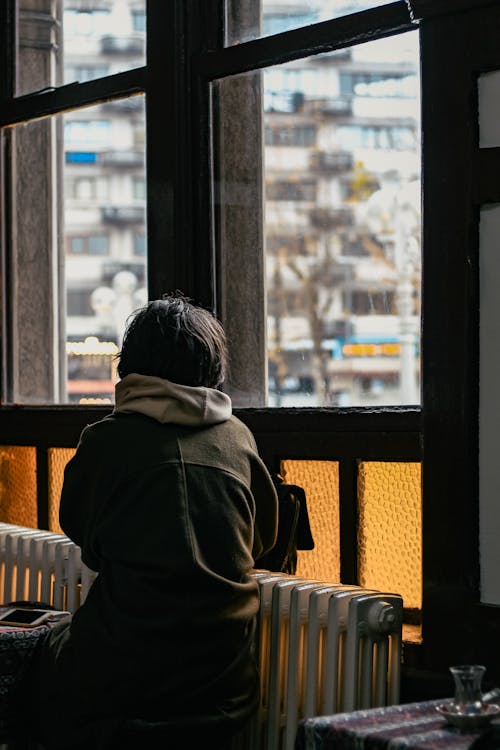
<point x="266" y="508"/>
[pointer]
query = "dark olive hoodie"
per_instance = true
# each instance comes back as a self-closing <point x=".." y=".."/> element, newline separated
<point x="171" y="504"/>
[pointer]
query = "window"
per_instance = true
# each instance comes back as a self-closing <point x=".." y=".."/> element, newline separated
<point x="140" y="245"/>
<point x="289" y="135"/>
<point x="90" y="245"/>
<point x="86" y="22"/>
<point x="87" y="188"/>
<point x="326" y="183"/>
<point x="84" y="72"/>
<point x="379" y="84"/>
<point x="139" y="20"/>
<point x="348" y="371"/>
<point x="291" y="191"/>
<point x="96" y="132"/>
<point x="139" y="188"/>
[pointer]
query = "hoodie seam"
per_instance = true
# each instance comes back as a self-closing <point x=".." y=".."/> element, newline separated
<point x="189" y="526"/>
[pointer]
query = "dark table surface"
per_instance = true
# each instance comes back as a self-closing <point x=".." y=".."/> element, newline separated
<point x="410" y="726"/>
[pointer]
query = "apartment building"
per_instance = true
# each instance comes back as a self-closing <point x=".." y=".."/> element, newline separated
<point x="342" y="259"/>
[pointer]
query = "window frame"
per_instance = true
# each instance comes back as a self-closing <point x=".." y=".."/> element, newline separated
<point x="185" y="53"/>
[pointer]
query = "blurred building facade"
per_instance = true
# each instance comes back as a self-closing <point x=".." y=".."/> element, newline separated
<point x="341" y="219"/>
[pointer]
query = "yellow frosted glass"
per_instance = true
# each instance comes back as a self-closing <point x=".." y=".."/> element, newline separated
<point x="18" y="495"/>
<point x="58" y="458"/>
<point x="390" y="529"/>
<point x="320" y="480"/>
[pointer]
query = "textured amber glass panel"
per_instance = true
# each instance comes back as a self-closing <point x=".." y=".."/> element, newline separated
<point x="320" y="480"/>
<point x="58" y="458"/>
<point x="390" y="529"/>
<point x="18" y="499"/>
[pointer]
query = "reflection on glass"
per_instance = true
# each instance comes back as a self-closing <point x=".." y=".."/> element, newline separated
<point x="104" y="233"/>
<point x="79" y="41"/>
<point x="390" y="529"/>
<point x="255" y="19"/>
<point x="78" y="265"/>
<point x="320" y="480"/>
<point x="339" y="224"/>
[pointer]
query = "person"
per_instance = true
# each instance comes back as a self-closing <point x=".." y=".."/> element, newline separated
<point x="171" y="504"/>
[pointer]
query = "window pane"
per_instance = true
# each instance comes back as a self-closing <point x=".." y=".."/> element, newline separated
<point x="324" y="264"/>
<point x="78" y="40"/>
<point x="58" y="458"/>
<point x="75" y="258"/>
<point x="489" y="402"/>
<point x="320" y="480"/>
<point x="390" y="529"/>
<point x="489" y="128"/>
<point x="253" y="19"/>
<point x="18" y="486"/>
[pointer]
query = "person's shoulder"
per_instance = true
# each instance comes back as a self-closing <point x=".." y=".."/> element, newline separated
<point x="240" y="431"/>
<point x="100" y="429"/>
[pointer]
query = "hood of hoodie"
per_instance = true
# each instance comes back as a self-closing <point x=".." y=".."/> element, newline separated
<point x="170" y="402"/>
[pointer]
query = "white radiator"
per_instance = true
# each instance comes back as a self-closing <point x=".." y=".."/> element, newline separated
<point x="42" y="566"/>
<point x="323" y="648"/>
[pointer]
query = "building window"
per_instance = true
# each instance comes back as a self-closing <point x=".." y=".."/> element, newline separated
<point x="96" y="132"/>
<point x="291" y="191"/>
<point x="89" y="245"/>
<point x="86" y="22"/>
<point x="139" y="20"/>
<point x="289" y="135"/>
<point x="386" y="137"/>
<point x="140" y="245"/>
<point x="139" y="188"/>
<point x="379" y="85"/>
<point x="79" y="302"/>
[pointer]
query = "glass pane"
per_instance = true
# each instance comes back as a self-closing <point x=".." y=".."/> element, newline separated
<point x="390" y="529"/>
<point x="58" y="458"/>
<point x="78" y="40"/>
<point x="75" y="260"/>
<point x="18" y="486"/>
<point x="489" y="109"/>
<point x="253" y="19"/>
<point x="324" y="262"/>
<point x="489" y="403"/>
<point x="320" y="481"/>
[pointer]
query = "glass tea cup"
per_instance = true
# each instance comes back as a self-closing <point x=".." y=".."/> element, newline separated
<point x="468" y="695"/>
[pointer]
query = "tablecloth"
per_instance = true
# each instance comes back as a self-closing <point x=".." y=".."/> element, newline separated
<point x="17" y="646"/>
<point x="410" y="726"/>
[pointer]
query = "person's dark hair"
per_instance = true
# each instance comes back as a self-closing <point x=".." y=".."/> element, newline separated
<point x="174" y="339"/>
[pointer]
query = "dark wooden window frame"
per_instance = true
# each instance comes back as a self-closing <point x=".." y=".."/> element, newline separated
<point x="185" y="53"/>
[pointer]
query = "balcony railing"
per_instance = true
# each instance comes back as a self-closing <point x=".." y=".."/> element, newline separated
<point x="125" y="159"/>
<point x="122" y="45"/>
<point x="330" y="107"/>
<point x="331" y="218"/>
<point x="123" y="215"/>
<point x="331" y="161"/>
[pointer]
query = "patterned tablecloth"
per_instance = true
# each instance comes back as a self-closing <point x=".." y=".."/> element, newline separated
<point x="17" y="646"/>
<point x="410" y="726"/>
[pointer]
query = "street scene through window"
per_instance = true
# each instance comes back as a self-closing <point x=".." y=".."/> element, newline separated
<point x="339" y="210"/>
<point x="341" y="219"/>
<point x="342" y="226"/>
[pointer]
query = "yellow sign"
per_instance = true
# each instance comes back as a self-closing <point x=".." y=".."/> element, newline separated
<point x="371" y="350"/>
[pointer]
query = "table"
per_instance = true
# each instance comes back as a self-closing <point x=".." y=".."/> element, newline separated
<point x="410" y="726"/>
<point x="17" y="646"/>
